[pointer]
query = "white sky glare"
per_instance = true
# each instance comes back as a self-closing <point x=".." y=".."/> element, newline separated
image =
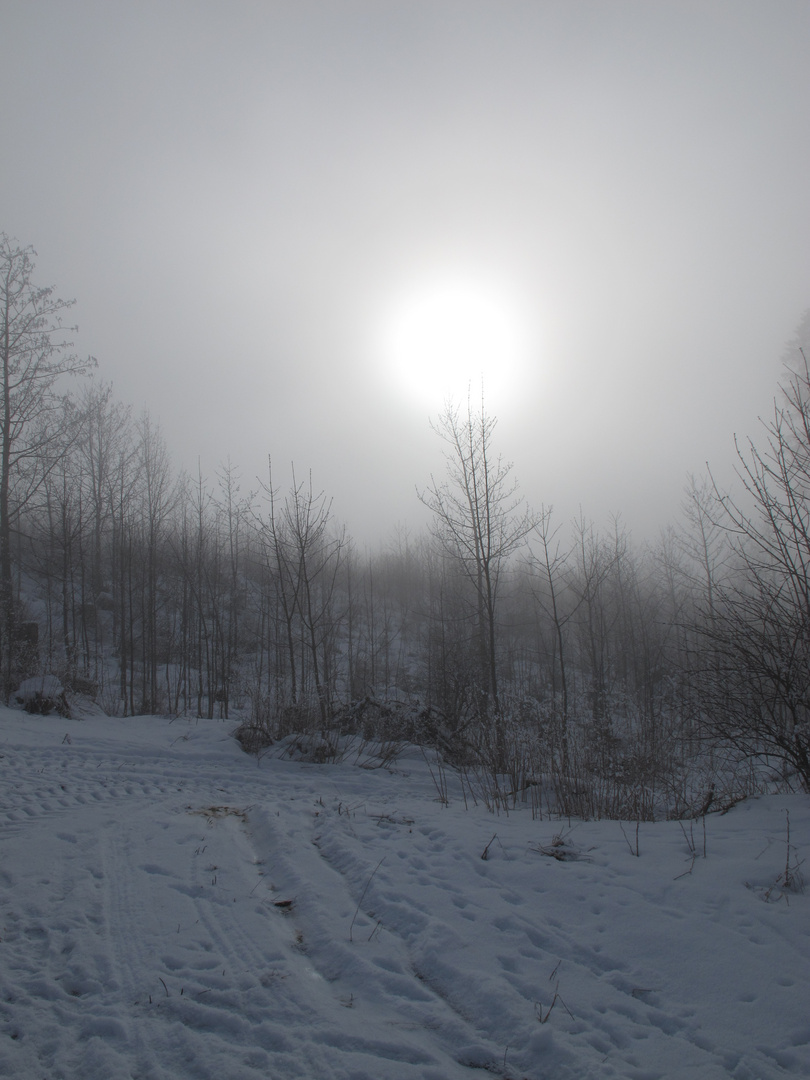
<point x="237" y="194"/>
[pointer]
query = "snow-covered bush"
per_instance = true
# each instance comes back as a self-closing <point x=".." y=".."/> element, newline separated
<point x="42" y="694"/>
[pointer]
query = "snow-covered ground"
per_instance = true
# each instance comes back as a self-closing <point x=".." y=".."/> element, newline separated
<point x="171" y="908"/>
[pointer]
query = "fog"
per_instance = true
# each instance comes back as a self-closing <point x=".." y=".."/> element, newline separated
<point x="239" y="196"/>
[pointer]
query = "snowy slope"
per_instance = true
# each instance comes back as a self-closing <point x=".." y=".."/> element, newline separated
<point x="169" y="908"/>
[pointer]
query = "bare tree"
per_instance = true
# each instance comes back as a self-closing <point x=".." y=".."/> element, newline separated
<point x="158" y="497"/>
<point x="34" y="355"/>
<point x="595" y="561"/>
<point x="758" y="630"/>
<point x="703" y="540"/>
<point x="551" y="565"/>
<point x="104" y="432"/>
<point x="479" y="521"/>
<point x="306" y="554"/>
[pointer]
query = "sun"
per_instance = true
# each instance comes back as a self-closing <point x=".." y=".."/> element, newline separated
<point x="449" y="335"/>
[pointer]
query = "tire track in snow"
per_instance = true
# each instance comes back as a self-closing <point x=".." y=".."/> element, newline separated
<point x="67" y="1014"/>
<point x="184" y="975"/>
<point x="374" y="945"/>
<point x="370" y="974"/>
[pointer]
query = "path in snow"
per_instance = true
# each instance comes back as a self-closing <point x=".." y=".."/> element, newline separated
<point x="171" y="909"/>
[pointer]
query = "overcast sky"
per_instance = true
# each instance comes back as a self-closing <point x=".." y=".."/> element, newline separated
<point x="245" y="197"/>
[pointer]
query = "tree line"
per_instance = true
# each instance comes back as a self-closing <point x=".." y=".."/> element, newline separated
<point x="559" y="661"/>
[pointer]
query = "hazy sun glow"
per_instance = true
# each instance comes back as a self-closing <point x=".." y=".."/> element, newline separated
<point x="447" y="336"/>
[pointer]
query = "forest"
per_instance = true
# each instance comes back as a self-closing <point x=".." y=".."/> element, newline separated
<point x="546" y="660"/>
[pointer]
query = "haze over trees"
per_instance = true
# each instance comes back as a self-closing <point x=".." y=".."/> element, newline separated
<point x="558" y="662"/>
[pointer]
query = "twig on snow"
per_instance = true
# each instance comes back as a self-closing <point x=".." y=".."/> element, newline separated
<point x="360" y="901"/>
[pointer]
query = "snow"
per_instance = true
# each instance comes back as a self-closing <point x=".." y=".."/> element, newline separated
<point x="171" y="908"/>
<point x="45" y="687"/>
